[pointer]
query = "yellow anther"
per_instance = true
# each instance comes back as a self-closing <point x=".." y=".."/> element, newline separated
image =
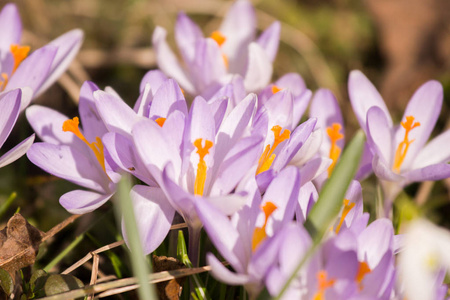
<point x="96" y="147"/>
<point x="335" y="151"/>
<point x="275" y="89"/>
<point x="218" y="37"/>
<point x="362" y="271"/>
<point x="160" y="121"/>
<point x="3" y="82"/>
<point x="323" y="284"/>
<point x="267" y="158"/>
<point x="259" y="234"/>
<point x="200" y="179"/>
<point x="347" y="208"/>
<point x="19" y="53"/>
<point x="403" y="146"/>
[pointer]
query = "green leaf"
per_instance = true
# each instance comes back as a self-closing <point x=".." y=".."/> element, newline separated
<point x="330" y="199"/>
<point x="6" y="282"/>
<point x="56" y="284"/>
<point x="4" y="207"/>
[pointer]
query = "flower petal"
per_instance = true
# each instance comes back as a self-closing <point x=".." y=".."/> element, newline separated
<point x="167" y="99"/>
<point x="259" y="69"/>
<point x="436" y="151"/>
<point x="363" y="95"/>
<point x="270" y="39"/>
<point x="17" y="152"/>
<point x="186" y="34"/>
<point x="379" y="135"/>
<point x="375" y="241"/>
<point x="9" y="111"/>
<point x="11" y="26"/>
<point x="428" y="173"/>
<point x="221" y="273"/>
<point x="82" y="202"/>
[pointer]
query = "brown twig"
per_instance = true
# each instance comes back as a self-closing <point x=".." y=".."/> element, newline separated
<point x="59" y="227"/>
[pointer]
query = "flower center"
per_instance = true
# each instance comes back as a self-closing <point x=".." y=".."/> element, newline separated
<point x="335" y="151"/>
<point x="97" y="146"/>
<point x="219" y="38"/>
<point x="267" y="158"/>
<point x="19" y="53"/>
<point x="275" y="89"/>
<point x="323" y="284"/>
<point x="200" y="178"/>
<point x="347" y="208"/>
<point x="259" y="234"/>
<point x="403" y="146"/>
<point x="160" y="121"/>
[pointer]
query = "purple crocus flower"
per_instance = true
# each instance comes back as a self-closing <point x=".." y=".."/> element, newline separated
<point x="10" y="103"/>
<point x="253" y="235"/>
<point x="38" y="70"/>
<point x="74" y="154"/>
<point x="230" y="50"/>
<point x="400" y="153"/>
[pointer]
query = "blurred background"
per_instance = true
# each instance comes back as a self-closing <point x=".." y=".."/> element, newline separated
<point x="398" y="44"/>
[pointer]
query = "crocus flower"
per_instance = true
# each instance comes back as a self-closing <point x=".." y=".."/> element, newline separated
<point x="229" y="50"/>
<point x="250" y="240"/>
<point x="400" y="153"/>
<point x="424" y="261"/>
<point x="10" y="103"/>
<point x="74" y="154"/>
<point x="38" y="70"/>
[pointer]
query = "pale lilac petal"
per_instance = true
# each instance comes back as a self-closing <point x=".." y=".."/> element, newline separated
<point x="34" y="69"/>
<point x="307" y="196"/>
<point x="428" y="173"/>
<point x="259" y="69"/>
<point x="142" y="105"/>
<point x="383" y="170"/>
<point x="223" y="235"/>
<point x="116" y="114"/>
<point x="269" y="40"/>
<point x="208" y="67"/>
<point x="436" y="151"/>
<point x="365" y="165"/>
<point x="11" y="26"/>
<point x="219" y="109"/>
<point x="293" y="82"/>
<point x="68" y="163"/>
<point x="309" y="149"/>
<point x="363" y="95"/>
<point x="93" y="124"/>
<point x="147" y="134"/>
<point x="279" y="110"/>
<point x="314" y="168"/>
<point x="228" y="204"/>
<point x="153" y="77"/>
<point x="173" y="128"/>
<point x="167" y="99"/>
<point x="234" y="126"/>
<point x="168" y="62"/>
<point x="9" y="111"/>
<point x="425" y="106"/>
<point x="379" y="134"/>
<point x="186" y="34"/>
<point x="27" y="96"/>
<point x="300" y="104"/>
<point x="235" y="165"/>
<point x="294" y="144"/>
<point x="82" y="202"/>
<point x="68" y="46"/>
<point x="202" y="123"/>
<point x="17" y="152"/>
<point x="375" y="241"/>
<point x="154" y="216"/>
<point x="221" y="273"/>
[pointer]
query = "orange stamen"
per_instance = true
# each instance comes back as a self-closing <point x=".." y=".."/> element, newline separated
<point x="96" y="147"/>
<point x="160" y="121"/>
<point x="218" y="37"/>
<point x="259" y="234"/>
<point x="362" y="271"/>
<point x="347" y="208"/>
<point x="3" y="82"/>
<point x="200" y="179"/>
<point x="275" y="89"/>
<point x="403" y="146"/>
<point x="19" y="53"/>
<point x="225" y="60"/>
<point x="267" y="158"/>
<point x="323" y="285"/>
<point x="335" y="150"/>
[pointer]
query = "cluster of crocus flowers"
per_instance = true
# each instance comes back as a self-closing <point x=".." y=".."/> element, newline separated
<point x="238" y="161"/>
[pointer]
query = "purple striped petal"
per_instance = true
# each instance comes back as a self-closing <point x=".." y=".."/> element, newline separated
<point x="428" y="173"/>
<point x="82" y="202"/>
<point x="17" y="152"/>
<point x="93" y="124"/>
<point x="9" y="111"/>
<point x="379" y="135"/>
<point x="167" y="99"/>
<point x="436" y="151"/>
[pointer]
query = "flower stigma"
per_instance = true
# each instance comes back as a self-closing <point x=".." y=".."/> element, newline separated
<point x="97" y="146"/>
<point x="347" y="208"/>
<point x="275" y="89"/>
<point x="323" y="284"/>
<point x="335" y="151"/>
<point x="259" y="234"/>
<point x="403" y="146"/>
<point x="19" y="53"/>
<point x="160" y="121"/>
<point x="267" y="158"/>
<point x="200" y="178"/>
